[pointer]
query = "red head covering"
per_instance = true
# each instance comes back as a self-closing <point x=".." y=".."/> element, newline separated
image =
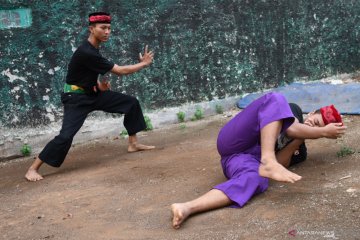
<point x="99" y="17"/>
<point x="330" y="115"/>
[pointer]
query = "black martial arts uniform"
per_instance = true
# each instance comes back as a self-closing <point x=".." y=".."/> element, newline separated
<point x="84" y="68"/>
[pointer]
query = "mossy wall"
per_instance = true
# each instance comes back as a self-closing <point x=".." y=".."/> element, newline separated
<point x="204" y="49"/>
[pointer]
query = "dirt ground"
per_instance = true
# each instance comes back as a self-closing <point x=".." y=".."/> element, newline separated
<point x="103" y="192"/>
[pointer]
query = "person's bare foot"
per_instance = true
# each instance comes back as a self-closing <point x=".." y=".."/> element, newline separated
<point x="135" y="147"/>
<point x="32" y="175"/>
<point x="274" y="170"/>
<point x="180" y="213"/>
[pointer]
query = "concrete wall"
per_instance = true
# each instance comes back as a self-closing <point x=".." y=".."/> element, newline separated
<point x="205" y="49"/>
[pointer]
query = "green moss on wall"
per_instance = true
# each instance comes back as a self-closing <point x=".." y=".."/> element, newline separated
<point x="203" y="49"/>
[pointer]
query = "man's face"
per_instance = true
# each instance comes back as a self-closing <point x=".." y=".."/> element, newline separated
<point x="314" y="120"/>
<point x="101" y="31"/>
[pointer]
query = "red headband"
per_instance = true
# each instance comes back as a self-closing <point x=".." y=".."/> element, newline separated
<point x="330" y="115"/>
<point x="100" y="19"/>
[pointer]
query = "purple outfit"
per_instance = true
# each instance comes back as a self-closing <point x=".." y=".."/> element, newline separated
<point x="238" y="144"/>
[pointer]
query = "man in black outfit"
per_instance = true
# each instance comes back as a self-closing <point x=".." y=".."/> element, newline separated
<point x="84" y="93"/>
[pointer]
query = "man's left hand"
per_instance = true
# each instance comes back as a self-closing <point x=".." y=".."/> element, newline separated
<point x="148" y="57"/>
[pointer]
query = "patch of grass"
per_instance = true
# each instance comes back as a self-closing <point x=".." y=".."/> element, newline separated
<point x="219" y="109"/>
<point x="25" y="150"/>
<point x="124" y="133"/>
<point x="199" y="114"/>
<point x="181" y="116"/>
<point x="149" y="125"/>
<point x="182" y="126"/>
<point x="345" y="151"/>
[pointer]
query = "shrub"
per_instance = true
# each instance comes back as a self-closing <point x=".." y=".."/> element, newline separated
<point x="25" y="150"/>
<point x="345" y="151"/>
<point x="219" y="109"/>
<point x="199" y="114"/>
<point x="124" y="133"/>
<point x="181" y="116"/>
<point x="149" y="125"/>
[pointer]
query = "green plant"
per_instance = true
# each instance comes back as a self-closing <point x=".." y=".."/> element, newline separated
<point x="124" y="133"/>
<point x="219" y="109"/>
<point x="181" y="116"/>
<point x="25" y="150"/>
<point x="345" y="151"/>
<point x="182" y="126"/>
<point x="149" y="125"/>
<point x="199" y="114"/>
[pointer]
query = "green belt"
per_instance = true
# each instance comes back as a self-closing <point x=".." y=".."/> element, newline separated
<point x="73" y="89"/>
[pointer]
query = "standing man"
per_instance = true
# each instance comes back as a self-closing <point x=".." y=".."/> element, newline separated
<point x="84" y="93"/>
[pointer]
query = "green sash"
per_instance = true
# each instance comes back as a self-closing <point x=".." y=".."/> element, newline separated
<point x="73" y="89"/>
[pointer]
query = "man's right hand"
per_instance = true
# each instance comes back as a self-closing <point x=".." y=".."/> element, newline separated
<point x="102" y="86"/>
<point x="334" y="130"/>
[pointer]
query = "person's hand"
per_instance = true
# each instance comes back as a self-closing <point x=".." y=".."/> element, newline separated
<point x="334" y="130"/>
<point x="102" y="86"/>
<point x="147" y="58"/>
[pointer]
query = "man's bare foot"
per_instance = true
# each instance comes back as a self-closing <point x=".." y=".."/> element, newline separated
<point x="274" y="170"/>
<point x="180" y="213"/>
<point x="32" y="175"/>
<point x="135" y="147"/>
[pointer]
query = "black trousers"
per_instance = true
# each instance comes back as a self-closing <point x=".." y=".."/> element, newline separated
<point x="295" y="159"/>
<point x="76" y="108"/>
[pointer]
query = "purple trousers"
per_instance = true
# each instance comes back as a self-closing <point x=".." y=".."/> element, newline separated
<point x="239" y="146"/>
